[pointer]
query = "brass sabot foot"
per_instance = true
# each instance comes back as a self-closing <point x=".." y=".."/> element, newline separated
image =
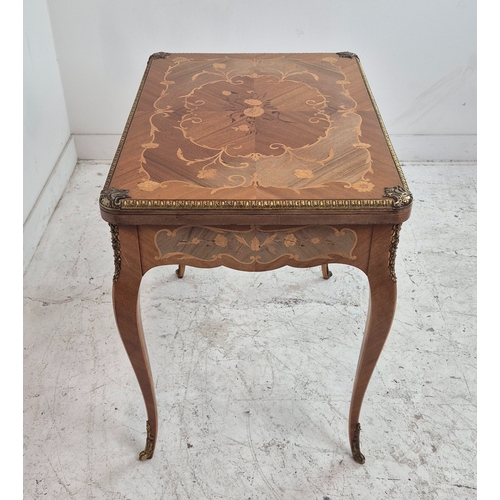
<point x="356" y="452"/>
<point x="149" y="449"/>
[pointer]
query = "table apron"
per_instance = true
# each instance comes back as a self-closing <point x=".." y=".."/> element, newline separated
<point x="254" y="248"/>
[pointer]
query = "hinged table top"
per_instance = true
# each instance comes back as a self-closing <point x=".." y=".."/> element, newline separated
<point x="253" y="134"/>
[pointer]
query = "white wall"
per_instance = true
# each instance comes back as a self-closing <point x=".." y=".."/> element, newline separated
<point x="48" y="149"/>
<point x="420" y="58"/>
<point x="84" y="61"/>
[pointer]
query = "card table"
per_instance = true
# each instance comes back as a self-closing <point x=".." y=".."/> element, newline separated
<point x="254" y="162"/>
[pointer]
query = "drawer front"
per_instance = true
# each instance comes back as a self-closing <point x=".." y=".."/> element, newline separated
<point x="254" y="248"/>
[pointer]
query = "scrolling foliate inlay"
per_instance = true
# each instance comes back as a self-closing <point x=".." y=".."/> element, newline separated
<point x="254" y="245"/>
<point x="255" y="122"/>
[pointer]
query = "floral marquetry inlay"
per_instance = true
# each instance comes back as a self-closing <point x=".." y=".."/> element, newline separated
<point x="241" y="123"/>
<point x="256" y="116"/>
<point x="252" y="132"/>
<point x="255" y="245"/>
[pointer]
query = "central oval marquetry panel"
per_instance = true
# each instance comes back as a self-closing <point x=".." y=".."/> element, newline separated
<point x="255" y="116"/>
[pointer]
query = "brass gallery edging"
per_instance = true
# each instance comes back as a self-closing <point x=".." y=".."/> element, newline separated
<point x="111" y="172"/>
<point x="382" y="126"/>
<point x="120" y="199"/>
<point x="113" y="198"/>
<point x="130" y="204"/>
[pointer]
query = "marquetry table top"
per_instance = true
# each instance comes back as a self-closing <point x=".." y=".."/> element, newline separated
<point x="228" y="134"/>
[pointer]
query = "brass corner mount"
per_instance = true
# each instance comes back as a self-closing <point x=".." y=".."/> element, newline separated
<point x="401" y="197"/>
<point x="350" y="55"/>
<point x="112" y="197"/>
<point x="159" y="55"/>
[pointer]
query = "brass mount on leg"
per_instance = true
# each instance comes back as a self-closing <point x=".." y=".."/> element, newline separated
<point x="149" y="449"/>
<point x="356" y="452"/>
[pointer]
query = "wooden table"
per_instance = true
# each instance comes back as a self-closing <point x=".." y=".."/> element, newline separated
<point x="254" y="162"/>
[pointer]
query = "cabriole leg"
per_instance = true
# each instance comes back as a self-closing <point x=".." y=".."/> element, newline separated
<point x="382" y="282"/>
<point x="127" y="280"/>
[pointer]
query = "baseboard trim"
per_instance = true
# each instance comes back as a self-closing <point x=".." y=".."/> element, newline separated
<point x="44" y="207"/>
<point x="409" y="148"/>
<point x="429" y="148"/>
<point x="96" y="146"/>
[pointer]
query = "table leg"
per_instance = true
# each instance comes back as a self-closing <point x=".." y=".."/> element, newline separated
<point x="180" y="270"/>
<point x="326" y="272"/>
<point x="382" y="306"/>
<point x="127" y="280"/>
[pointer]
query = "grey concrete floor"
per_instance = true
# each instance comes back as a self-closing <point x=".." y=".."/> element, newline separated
<point x="253" y="371"/>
